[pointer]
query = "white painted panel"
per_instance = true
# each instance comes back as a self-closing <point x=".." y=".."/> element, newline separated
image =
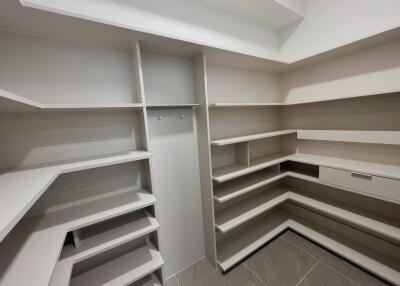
<point x="56" y="71"/>
<point x="176" y="181"/>
<point x="231" y="84"/>
<point x="168" y="80"/>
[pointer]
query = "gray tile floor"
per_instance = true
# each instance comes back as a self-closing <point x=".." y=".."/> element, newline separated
<point x="289" y="260"/>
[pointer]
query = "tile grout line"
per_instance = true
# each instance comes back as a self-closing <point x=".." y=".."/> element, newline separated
<point x="322" y="262"/>
<point x="308" y="272"/>
<point x="254" y="274"/>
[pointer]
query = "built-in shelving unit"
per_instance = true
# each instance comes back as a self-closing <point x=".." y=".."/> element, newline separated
<point x="77" y="198"/>
<point x="329" y="168"/>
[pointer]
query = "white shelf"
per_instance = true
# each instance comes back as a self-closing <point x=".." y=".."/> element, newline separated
<point x="94" y="245"/>
<point x="241" y="244"/>
<point x="238" y="214"/>
<point x="10" y="102"/>
<point x="183" y="105"/>
<point x="236" y="188"/>
<point x="289" y="103"/>
<point x="233" y="140"/>
<point x="247" y="104"/>
<point x="94" y="106"/>
<point x="389" y="171"/>
<point x="372" y="137"/>
<point x="123" y="270"/>
<point x="114" y="237"/>
<point x="24" y="246"/>
<point x="20" y="189"/>
<point x="233" y="171"/>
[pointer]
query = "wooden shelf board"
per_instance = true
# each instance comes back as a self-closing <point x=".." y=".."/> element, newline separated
<point x="104" y="241"/>
<point x="233" y="171"/>
<point x="182" y="105"/>
<point x="236" y="188"/>
<point x="228" y="219"/>
<point x="389" y="171"/>
<point x="10" y="102"/>
<point x="93" y="106"/>
<point x="238" y="246"/>
<point x="123" y="270"/>
<point x="233" y="140"/>
<point x="240" y="213"/>
<point x="372" y="137"/>
<point x="23" y="247"/>
<point x="247" y="104"/>
<point x="21" y="188"/>
<point x="293" y="102"/>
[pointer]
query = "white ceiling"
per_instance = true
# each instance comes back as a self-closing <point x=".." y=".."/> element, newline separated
<point x="285" y="31"/>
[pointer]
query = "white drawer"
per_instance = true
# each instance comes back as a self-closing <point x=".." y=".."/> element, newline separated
<point x="374" y="185"/>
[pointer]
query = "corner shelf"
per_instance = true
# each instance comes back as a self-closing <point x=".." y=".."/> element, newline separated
<point x="23" y="247"/>
<point x="239" y="245"/>
<point x="134" y="265"/>
<point x="21" y="188"/>
<point x="355" y="136"/>
<point x="10" y="102"/>
<point x="228" y="219"/>
<point x="233" y="140"/>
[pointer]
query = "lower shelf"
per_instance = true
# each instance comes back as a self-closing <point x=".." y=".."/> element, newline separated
<point x="123" y="270"/>
<point x="240" y="244"/>
<point x="150" y="280"/>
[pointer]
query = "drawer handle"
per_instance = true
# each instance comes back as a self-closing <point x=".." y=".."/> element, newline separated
<point x="361" y="176"/>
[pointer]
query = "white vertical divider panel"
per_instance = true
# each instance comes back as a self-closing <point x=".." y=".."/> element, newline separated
<point x="138" y="78"/>
<point x="203" y="131"/>
<point x="176" y="182"/>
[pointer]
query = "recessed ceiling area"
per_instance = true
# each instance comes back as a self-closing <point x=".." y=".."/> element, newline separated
<point x="270" y="13"/>
<point x="285" y="31"/>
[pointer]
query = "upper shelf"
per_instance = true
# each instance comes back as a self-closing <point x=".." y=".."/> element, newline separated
<point x="246" y="104"/>
<point x="251" y="137"/>
<point x="20" y="189"/>
<point x="373" y="137"/>
<point x="291" y="102"/>
<point x="10" y="102"/>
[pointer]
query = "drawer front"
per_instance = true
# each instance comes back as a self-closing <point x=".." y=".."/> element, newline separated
<point x="374" y="185"/>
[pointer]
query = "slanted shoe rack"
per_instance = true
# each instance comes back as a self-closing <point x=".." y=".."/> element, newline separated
<point x="78" y="206"/>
